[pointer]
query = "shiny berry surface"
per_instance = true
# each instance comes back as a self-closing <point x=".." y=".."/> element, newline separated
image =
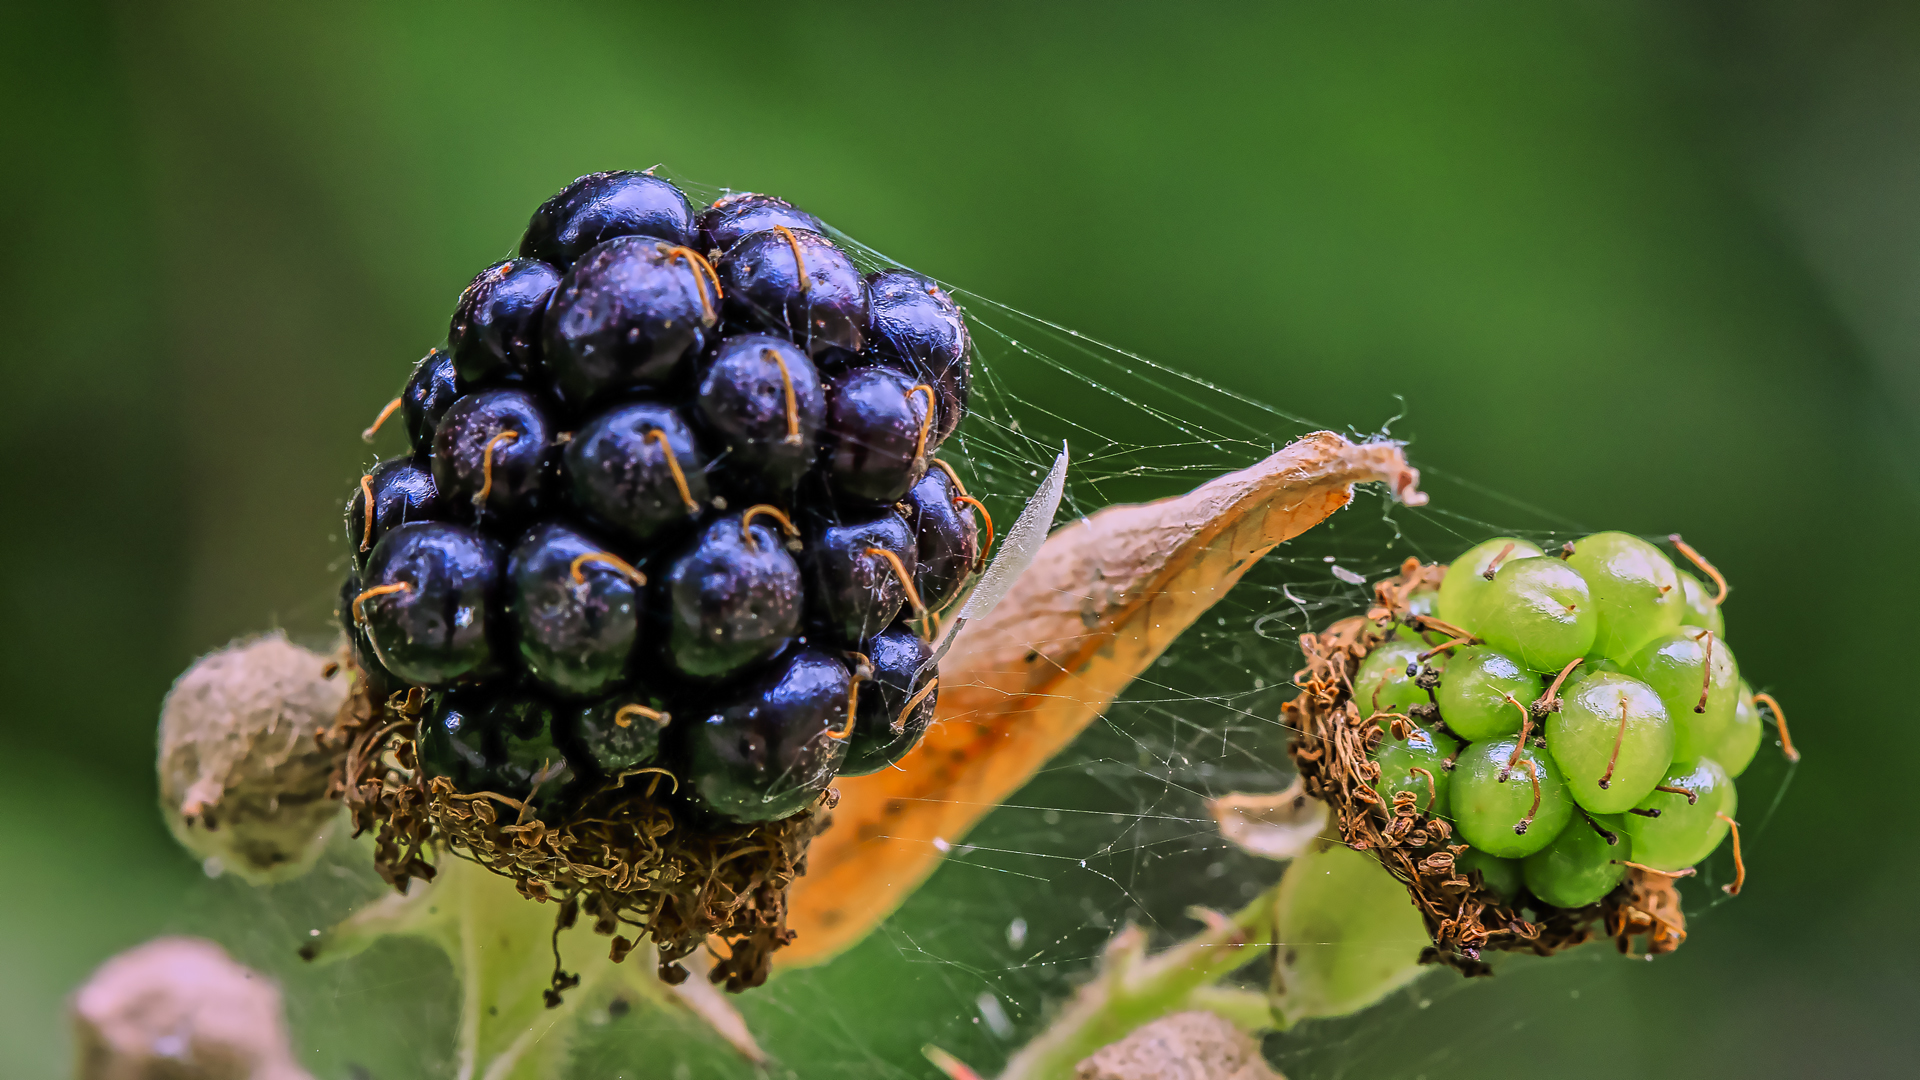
<point x="620" y="732"/>
<point x="1636" y="591"/>
<point x="495" y="333"/>
<point x="1612" y="740"/>
<point x="1672" y="831"/>
<point x="734" y="598"/>
<point x="913" y="319"/>
<point x="946" y="539"/>
<point x="1494" y="803"/>
<point x="884" y="727"/>
<point x="533" y="765"/>
<point x="1699" y="608"/>
<point x="1420" y="764"/>
<point x="1485" y="692"/>
<point x="630" y="314"/>
<point x="1467" y="576"/>
<point x="458" y="741"/>
<point x="430" y="622"/>
<point x="430" y="391"/>
<point x="639" y="469"/>
<point x="724" y="223"/>
<point x="576" y="610"/>
<point x="402" y="490"/>
<point x="1698" y="679"/>
<point x="1382" y="685"/>
<point x="1538" y="611"/>
<point x="875" y="417"/>
<point x="762" y="399"/>
<point x="493" y="456"/>
<point x="1583" y="863"/>
<point x="770" y="749"/>
<point x="1741" y="740"/>
<point x="667" y="490"/>
<point x="601" y="206"/>
<point x="856" y="590"/>
<point x="795" y="282"/>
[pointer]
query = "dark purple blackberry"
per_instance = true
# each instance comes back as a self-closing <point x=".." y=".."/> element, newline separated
<point x="459" y="742"/>
<point x="878" y="425"/>
<point x="638" y="468"/>
<point x="429" y="393"/>
<point x="495" y="333"/>
<point x="576" y="610"/>
<point x="761" y="397"/>
<point x="601" y="206"/>
<point x="769" y="749"/>
<point x="912" y="320"/>
<point x="400" y="490"/>
<point x="380" y="681"/>
<point x="533" y="766"/>
<point x="734" y="597"/>
<point x="492" y="456"/>
<point x="591" y="559"/>
<point x="735" y="216"/>
<point x="430" y="591"/>
<point x="794" y="282"/>
<point x="896" y="701"/>
<point x="946" y="536"/>
<point x="860" y="573"/>
<point x="627" y="315"/>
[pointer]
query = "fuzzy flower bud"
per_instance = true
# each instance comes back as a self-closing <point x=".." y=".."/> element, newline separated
<point x="243" y="778"/>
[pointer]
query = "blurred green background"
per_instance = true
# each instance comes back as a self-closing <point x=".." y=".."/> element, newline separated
<point x="1648" y="266"/>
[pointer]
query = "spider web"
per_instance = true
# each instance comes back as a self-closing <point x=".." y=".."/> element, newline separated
<point x="1113" y="831"/>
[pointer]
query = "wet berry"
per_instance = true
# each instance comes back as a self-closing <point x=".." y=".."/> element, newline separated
<point x="380" y="681"/>
<point x="402" y="491"/>
<point x="857" y="572"/>
<point x="626" y="316"/>
<point x="601" y="206"/>
<point x="668" y="478"/>
<point x="896" y="703"/>
<point x="761" y="398"/>
<point x="495" y="331"/>
<point x="458" y="741"/>
<point x="797" y="283"/>
<point x="946" y="538"/>
<point x="735" y="216"/>
<point x="877" y="420"/>
<point x="492" y="456"/>
<point x="734" y="597"/>
<point x="620" y="733"/>
<point x="576" y="610"/>
<point x="429" y="393"/>
<point x="638" y="468"/>
<point x="912" y="319"/>
<point x="769" y="750"/>
<point x="534" y="767"/>
<point x="428" y="591"/>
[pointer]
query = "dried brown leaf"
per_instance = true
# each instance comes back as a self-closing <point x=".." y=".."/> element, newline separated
<point x="1104" y="598"/>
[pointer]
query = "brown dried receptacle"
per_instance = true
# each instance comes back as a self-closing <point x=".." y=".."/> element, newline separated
<point x="621" y="858"/>
<point x="1464" y="918"/>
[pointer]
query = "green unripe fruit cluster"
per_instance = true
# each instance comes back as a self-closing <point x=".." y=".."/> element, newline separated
<point x="1590" y="715"/>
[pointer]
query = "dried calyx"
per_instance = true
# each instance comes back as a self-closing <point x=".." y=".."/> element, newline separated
<point x="631" y="860"/>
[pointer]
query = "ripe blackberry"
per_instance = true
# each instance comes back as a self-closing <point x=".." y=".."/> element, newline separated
<point x="665" y="556"/>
